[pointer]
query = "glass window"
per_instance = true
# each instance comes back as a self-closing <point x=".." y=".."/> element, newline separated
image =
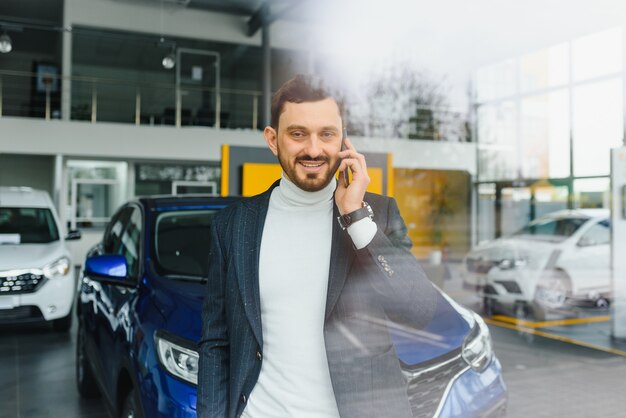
<point x="496" y="81"/>
<point x="130" y="241"/>
<point x="486" y="212"/>
<point x="591" y="193"/>
<point x="515" y="208"/>
<point x="552" y="229"/>
<point x="549" y="199"/>
<point x="27" y="226"/>
<point x="181" y="242"/>
<point x="599" y="234"/>
<point x="597" y="55"/>
<point x="113" y="233"/>
<point x="544" y="69"/>
<point x="545" y="135"/>
<point x="597" y="126"/>
<point x="497" y="141"/>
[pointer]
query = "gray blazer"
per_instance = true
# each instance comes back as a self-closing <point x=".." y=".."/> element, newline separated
<point x="366" y="289"/>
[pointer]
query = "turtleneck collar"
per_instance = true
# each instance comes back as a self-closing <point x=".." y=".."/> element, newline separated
<point x="292" y="195"/>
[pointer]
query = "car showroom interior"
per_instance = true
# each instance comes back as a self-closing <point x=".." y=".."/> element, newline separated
<point x="498" y="127"/>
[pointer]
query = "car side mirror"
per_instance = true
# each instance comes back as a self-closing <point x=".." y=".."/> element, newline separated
<point x="111" y="267"/>
<point x="73" y="235"/>
<point x="586" y="242"/>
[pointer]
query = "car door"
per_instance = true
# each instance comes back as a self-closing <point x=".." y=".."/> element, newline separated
<point x="119" y="299"/>
<point x="589" y="267"/>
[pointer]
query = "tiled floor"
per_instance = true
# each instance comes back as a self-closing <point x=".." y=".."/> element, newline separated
<point x="37" y="375"/>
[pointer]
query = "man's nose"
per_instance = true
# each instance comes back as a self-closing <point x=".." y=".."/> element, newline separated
<point x="314" y="146"/>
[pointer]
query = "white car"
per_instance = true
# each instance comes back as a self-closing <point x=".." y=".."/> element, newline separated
<point x="555" y="263"/>
<point x="37" y="280"/>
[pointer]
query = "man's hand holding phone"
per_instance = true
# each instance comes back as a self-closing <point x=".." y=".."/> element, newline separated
<point x="349" y="197"/>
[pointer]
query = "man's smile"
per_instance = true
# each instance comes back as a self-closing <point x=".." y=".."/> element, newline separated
<point x="312" y="164"/>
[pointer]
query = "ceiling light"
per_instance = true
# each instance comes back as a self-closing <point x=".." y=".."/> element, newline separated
<point x="169" y="61"/>
<point x="5" y="43"/>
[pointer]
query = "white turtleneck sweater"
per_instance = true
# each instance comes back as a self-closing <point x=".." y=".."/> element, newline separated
<point x="293" y="283"/>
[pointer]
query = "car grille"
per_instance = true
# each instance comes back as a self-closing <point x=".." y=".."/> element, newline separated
<point x="428" y="386"/>
<point x="479" y="265"/>
<point x="20" y="283"/>
<point x="510" y="286"/>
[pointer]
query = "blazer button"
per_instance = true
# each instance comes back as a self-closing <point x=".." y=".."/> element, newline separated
<point x="243" y="398"/>
<point x="259" y="356"/>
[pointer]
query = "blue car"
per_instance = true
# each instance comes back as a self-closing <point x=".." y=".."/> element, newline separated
<point x="139" y="304"/>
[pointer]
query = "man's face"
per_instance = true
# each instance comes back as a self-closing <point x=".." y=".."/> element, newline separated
<point x="307" y="142"/>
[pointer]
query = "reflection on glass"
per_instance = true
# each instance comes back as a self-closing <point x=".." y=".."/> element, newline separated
<point x="597" y="55"/>
<point x="591" y="193"/>
<point x="554" y="230"/>
<point x="549" y="199"/>
<point x="497" y="141"/>
<point x="515" y="209"/>
<point x="486" y="211"/>
<point x="496" y="81"/>
<point x="545" y="135"/>
<point x="597" y="126"/>
<point x="545" y="68"/>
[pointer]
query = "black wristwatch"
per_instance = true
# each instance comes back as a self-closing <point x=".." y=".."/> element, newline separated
<point x="349" y="218"/>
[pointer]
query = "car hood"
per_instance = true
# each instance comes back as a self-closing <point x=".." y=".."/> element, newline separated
<point x="530" y="250"/>
<point x="180" y="303"/>
<point x="29" y="256"/>
<point x="445" y="333"/>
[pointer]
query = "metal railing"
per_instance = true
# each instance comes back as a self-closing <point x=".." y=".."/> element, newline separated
<point x="155" y="103"/>
<point x="110" y="100"/>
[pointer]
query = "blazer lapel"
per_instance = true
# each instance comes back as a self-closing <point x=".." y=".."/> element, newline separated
<point x="341" y="257"/>
<point x="249" y="238"/>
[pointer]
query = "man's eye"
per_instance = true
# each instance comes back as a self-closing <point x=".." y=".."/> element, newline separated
<point x="328" y="134"/>
<point x="297" y="134"/>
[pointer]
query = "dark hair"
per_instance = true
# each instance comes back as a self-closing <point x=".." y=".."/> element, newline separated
<point x="301" y="88"/>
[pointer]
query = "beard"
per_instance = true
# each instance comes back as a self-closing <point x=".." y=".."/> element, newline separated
<point x="309" y="182"/>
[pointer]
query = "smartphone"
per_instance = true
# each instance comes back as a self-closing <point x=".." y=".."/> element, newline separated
<point x="345" y="175"/>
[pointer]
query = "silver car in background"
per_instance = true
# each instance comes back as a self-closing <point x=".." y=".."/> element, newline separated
<point x="555" y="264"/>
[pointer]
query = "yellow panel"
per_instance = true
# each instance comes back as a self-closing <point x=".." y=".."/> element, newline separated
<point x="257" y="178"/>
<point x="224" y="169"/>
<point x="390" y="178"/>
<point x="376" y="180"/>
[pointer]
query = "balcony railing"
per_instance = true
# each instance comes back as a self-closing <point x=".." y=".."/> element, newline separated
<point x="152" y="103"/>
<point x="94" y="99"/>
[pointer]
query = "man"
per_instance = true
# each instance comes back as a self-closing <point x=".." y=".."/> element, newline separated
<point x="303" y="280"/>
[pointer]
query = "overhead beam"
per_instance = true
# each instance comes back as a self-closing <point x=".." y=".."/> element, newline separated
<point x="257" y="20"/>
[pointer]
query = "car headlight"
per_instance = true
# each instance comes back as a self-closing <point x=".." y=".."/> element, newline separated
<point x="477" y="349"/>
<point x="58" y="268"/>
<point x="509" y="264"/>
<point x="177" y="356"/>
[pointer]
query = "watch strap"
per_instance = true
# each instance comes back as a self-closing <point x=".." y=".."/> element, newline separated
<point x="349" y="218"/>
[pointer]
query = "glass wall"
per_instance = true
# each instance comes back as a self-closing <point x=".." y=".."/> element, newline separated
<point x="549" y="115"/>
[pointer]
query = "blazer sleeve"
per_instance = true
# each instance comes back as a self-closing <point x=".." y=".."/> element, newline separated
<point x="213" y="347"/>
<point x="408" y="295"/>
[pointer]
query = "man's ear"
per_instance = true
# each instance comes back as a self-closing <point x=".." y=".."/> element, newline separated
<point x="271" y="137"/>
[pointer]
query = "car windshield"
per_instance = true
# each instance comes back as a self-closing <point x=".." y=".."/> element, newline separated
<point x="551" y="229"/>
<point x="27" y="226"/>
<point x="181" y="242"/>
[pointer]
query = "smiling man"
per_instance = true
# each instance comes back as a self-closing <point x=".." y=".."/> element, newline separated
<point x="303" y="279"/>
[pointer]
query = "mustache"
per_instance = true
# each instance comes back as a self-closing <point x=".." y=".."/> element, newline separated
<point x="309" y="158"/>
